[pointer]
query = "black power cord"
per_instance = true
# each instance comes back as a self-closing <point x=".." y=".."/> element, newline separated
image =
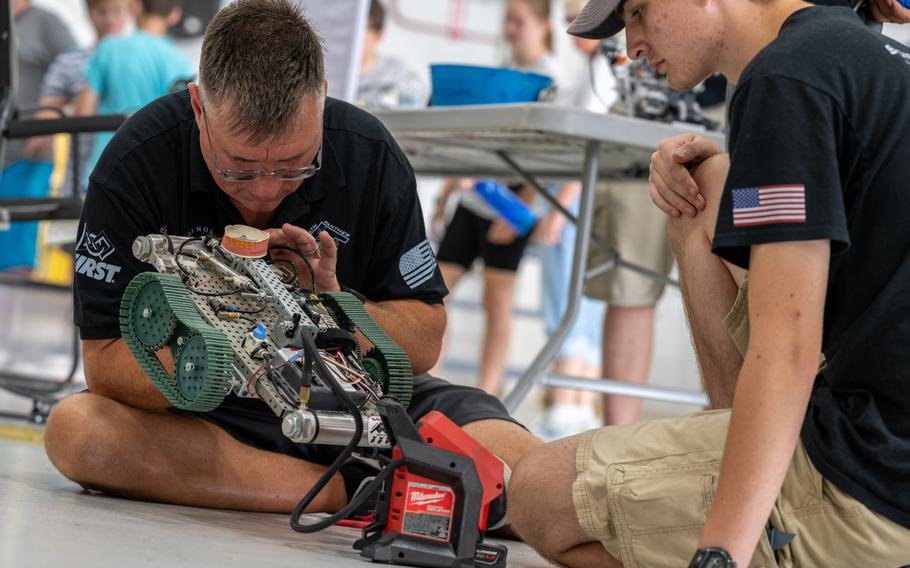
<point x="312" y="353"/>
<point x="302" y="257"/>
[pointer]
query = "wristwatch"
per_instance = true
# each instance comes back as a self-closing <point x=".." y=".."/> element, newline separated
<point x="712" y="557"/>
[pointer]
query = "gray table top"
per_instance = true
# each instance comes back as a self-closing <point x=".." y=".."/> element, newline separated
<point x="545" y="139"/>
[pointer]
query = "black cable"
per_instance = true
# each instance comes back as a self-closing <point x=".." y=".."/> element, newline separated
<point x="294" y="275"/>
<point x="220" y="307"/>
<point x="211" y="294"/>
<point x="356" y="502"/>
<point x="303" y="257"/>
<point x="311" y="352"/>
<point x="170" y="243"/>
<point x="180" y="253"/>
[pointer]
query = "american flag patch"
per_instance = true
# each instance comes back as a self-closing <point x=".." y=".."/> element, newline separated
<point x="769" y="204"/>
<point x="417" y="265"/>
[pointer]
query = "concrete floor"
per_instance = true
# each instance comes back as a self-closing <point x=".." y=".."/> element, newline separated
<point x="47" y="521"/>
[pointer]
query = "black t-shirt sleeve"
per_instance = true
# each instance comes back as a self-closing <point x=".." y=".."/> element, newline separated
<point x="403" y="265"/>
<point x="104" y="263"/>
<point x="784" y="182"/>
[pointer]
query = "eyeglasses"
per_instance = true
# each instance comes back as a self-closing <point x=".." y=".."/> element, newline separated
<point x="284" y="174"/>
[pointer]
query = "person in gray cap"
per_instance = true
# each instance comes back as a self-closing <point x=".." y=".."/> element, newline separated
<point x="796" y="279"/>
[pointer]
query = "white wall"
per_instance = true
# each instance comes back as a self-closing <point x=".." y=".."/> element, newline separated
<point x="419" y="32"/>
<point x="73" y="13"/>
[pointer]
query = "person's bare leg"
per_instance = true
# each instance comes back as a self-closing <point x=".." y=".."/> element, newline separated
<point x="628" y="337"/>
<point x="542" y="511"/>
<point x="451" y="274"/>
<point x="155" y="456"/>
<point x="570" y="367"/>
<point x="709" y="286"/>
<point x="506" y="440"/>
<point x="498" y="296"/>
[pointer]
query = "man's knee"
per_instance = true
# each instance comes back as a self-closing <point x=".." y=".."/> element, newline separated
<point x="710" y="176"/>
<point x="504" y="439"/>
<point x="535" y="494"/>
<point x="523" y="487"/>
<point x="77" y="439"/>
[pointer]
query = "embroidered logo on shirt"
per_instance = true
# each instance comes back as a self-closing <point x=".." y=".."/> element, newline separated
<point x="769" y="204"/>
<point x="899" y="53"/>
<point x="417" y="265"/>
<point x="91" y="250"/>
<point x="340" y="235"/>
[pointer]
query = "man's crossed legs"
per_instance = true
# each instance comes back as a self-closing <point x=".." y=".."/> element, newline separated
<point x="176" y="458"/>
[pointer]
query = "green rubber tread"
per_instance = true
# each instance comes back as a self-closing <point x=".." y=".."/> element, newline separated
<point x="398" y="379"/>
<point x="218" y="381"/>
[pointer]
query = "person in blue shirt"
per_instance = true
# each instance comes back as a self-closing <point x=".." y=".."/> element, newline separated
<point x="126" y="73"/>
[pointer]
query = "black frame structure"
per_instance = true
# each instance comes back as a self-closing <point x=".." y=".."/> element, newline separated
<point x="43" y="391"/>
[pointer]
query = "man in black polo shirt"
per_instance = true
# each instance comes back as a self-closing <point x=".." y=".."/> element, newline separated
<point x="811" y="467"/>
<point x="257" y="143"/>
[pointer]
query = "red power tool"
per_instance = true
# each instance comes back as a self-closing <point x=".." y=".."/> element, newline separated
<point x="445" y="491"/>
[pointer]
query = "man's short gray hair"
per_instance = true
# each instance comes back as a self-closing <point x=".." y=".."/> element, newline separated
<point x="261" y="59"/>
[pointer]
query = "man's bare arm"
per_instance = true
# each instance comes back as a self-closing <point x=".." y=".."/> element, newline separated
<point x="787" y="283"/>
<point x="414" y="325"/>
<point x="111" y="371"/>
<point x="86" y="103"/>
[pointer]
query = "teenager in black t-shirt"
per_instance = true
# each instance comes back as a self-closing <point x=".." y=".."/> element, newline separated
<point x="811" y="467"/>
<point x="322" y="170"/>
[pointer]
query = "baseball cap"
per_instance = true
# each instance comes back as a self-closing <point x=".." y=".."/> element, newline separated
<point x="598" y="20"/>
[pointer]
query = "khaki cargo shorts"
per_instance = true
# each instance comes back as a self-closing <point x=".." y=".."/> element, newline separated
<point x="644" y="492"/>
<point x="625" y="217"/>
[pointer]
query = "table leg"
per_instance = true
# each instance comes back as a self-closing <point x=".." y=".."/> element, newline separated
<point x="576" y="284"/>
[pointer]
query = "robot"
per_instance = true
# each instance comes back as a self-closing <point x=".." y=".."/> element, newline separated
<point x="236" y="322"/>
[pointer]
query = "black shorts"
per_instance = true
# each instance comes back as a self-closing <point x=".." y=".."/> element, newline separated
<point x="466" y="240"/>
<point x="251" y="422"/>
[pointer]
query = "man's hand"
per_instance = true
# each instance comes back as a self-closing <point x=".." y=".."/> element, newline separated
<point x="501" y="233"/>
<point x="549" y="230"/>
<point x="671" y="185"/>
<point x="322" y="257"/>
<point x="889" y="11"/>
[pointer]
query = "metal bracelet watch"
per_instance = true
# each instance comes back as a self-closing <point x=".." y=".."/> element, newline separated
<point x="712" y="557"/>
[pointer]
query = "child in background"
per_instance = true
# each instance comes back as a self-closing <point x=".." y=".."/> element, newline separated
<point x="65" y="79"/>
<point x="386" y="82"/>
<point x="476" y="231"/>
<point x="126" y="73"/>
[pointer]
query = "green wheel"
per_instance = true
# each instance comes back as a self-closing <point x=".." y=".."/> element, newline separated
<point x="202" y="371"/>
<point x="191" y="367"/>
<point x="376" y="371"/>
<point x="153" y="307"/>
<point x="151" y="318"/>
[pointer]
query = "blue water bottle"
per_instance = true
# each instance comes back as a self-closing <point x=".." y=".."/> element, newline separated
<point x="507" y="204"/>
